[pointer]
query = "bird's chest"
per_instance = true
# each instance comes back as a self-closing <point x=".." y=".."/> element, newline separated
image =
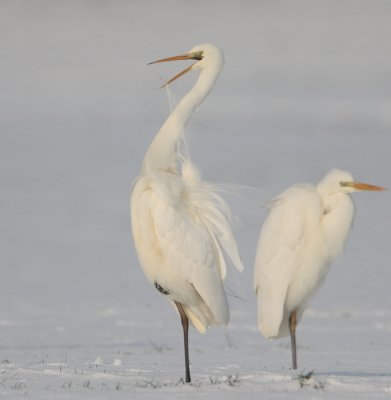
<point x="143" y="229"/>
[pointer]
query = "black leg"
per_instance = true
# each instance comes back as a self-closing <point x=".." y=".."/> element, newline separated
<point x="185" y="326"/>
<point x="292" y="329"/>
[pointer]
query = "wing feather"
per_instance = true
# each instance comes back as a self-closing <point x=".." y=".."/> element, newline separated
<point x="192" y="255"/>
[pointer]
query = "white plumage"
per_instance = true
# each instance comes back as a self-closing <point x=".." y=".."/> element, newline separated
<point x="180" y="230"/>
<point x="181" y="226"/>
<point x="307" y="227"/>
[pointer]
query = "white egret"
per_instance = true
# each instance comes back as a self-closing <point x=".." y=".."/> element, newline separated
<point x="305" y="230"/>
<point x="181" y="226"/>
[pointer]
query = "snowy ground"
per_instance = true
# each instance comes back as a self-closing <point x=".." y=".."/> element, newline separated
<point x="306" y="88"/>
<point x="124" y="353"/>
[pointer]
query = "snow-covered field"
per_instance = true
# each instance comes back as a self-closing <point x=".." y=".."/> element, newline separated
<point x="306" y="88"/>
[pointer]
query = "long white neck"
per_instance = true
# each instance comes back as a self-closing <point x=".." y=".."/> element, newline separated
<point x="162" y="153"/>
<point x="337" y="221"/>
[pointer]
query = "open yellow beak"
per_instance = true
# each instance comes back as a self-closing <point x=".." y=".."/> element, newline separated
<point x="363" y="186"/>
<point x="191" y="56"/>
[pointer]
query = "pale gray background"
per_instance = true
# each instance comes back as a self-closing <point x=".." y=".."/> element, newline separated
<point x="306" y="88"/>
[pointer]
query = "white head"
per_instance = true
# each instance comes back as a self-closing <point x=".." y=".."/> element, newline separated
<point x="338" y="181"/>
<point x="208" y="54"/>
<point x="205" y="55"/>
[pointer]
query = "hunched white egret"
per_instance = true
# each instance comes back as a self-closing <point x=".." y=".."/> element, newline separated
<point x="180" y="224"/>
<point x="306" y="228"/>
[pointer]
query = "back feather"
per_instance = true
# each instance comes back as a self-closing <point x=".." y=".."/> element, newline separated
<point x="208" y="206"/>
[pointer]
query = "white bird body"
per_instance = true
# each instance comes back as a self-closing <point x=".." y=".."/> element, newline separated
<point x="307" y="227"/>
<point x="293" y="257"/>
<point x="179" y="232"/>
<point x="180" y="225"/>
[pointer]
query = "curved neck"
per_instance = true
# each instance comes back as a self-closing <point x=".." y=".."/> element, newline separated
<point x="162" y="152"/>
<point x="336" y="223"/>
